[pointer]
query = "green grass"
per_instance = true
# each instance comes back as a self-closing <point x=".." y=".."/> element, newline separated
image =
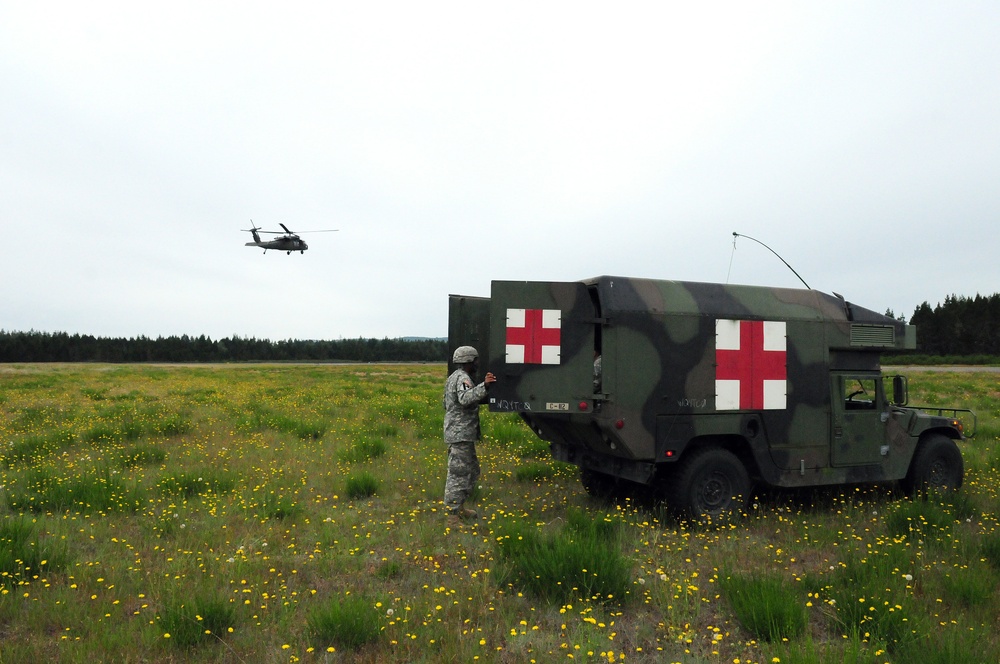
<point x="280" y="506"/>
<point x="364" y="449"/>
<point x="24" y="557"/>
<point x="138" y="456"/>
<point x="194" y="482"/>
<point x="42" y="490"/>
<point x="921" y="519"/>
<point x="767" y="605"/>
<point x="187" y="622"/>
<point x="582" y="561"/>
<point x="532" y="472"/>
<point x="32" y="448"/>
<point x="361" y="485"/>
<point x="874" y="598"/>
<point x="348" y="623"/>
<point x="279" y="503"/>
<point x="989" y="546"/>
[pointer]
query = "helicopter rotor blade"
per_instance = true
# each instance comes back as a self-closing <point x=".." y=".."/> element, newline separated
<point x="286" y="231"/>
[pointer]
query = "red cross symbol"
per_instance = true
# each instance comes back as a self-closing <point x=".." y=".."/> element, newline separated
<point x="750" y="358"/>
<point x="533" y="336"/>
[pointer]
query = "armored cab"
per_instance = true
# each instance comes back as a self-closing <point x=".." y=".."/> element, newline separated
<point x="697" y="391"/>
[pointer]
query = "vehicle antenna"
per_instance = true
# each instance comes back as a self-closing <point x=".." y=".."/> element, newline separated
<point x="736" y="235"/>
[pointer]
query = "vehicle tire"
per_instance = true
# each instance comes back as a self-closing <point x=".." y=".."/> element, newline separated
<point x="709" y="484"/>
<point x="936" y="467"/>
<point x="599" y="485"/>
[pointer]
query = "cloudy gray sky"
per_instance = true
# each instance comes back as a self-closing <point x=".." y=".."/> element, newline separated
<point x="453" y="143"/>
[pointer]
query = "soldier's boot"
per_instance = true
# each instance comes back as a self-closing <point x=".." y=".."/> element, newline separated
<point x="454" y="520"/>
<point x="467" y="514"/>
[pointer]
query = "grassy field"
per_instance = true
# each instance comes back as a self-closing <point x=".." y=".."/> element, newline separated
<point x="292" y="513"/>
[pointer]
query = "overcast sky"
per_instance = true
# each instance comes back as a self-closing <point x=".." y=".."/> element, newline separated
<point x="456" y="143"/>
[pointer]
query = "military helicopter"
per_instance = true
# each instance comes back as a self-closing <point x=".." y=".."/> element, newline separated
<point x="288" y="242"/>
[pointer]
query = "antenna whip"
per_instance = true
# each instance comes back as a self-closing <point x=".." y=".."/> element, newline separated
<point x="731" y="257"/>
<point x="736" y="235"/>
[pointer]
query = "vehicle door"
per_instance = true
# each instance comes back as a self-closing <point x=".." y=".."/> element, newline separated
<point x="858" y="429"/>
<point x="542" y="347"/>
<point x="469" y="325"/>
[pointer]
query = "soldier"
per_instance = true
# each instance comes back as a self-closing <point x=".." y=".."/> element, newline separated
<point x="462" y="398"/>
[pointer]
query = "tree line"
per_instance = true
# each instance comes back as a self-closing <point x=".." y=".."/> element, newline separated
<point x="62" y="347"/>
<point x="961" y="327"/>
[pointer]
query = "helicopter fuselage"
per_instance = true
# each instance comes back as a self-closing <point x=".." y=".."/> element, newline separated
<point x="288" y="242"/>
<point x="284" y="243"/>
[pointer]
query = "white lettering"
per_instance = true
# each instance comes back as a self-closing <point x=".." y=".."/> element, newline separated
<point x="513" y="406"/>
<point x="692" y="403"/>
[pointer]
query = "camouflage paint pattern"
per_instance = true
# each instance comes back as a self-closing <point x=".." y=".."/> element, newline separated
<point x="463" y="473"/>
<point x="462" y="398"/>
<point x="657" y="342"/>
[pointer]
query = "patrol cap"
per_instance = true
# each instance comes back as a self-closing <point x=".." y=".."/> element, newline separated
<point x="464" y="355"/>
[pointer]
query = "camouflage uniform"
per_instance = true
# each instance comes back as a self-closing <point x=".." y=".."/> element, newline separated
<point x="461" y="431"/>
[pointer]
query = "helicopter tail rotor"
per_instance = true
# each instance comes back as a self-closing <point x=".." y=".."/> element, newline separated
<point x="253" y="231"/>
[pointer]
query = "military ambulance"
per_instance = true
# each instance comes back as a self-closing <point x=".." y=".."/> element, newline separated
<point x="697" y="392"/>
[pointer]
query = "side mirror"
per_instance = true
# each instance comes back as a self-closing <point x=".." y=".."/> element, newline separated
<point x="900" y="393"/>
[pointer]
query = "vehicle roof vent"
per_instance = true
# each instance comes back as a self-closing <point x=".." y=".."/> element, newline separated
<point x="873" y="335"/>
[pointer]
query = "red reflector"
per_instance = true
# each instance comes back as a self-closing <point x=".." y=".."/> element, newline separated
<point x="620" y="424"/>
<point x="669" y="454"/>
<point x="583" y="405"/>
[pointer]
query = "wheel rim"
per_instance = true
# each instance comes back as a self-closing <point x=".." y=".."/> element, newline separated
<point x="939" y="475"/>
<point x="715" y="493"/>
